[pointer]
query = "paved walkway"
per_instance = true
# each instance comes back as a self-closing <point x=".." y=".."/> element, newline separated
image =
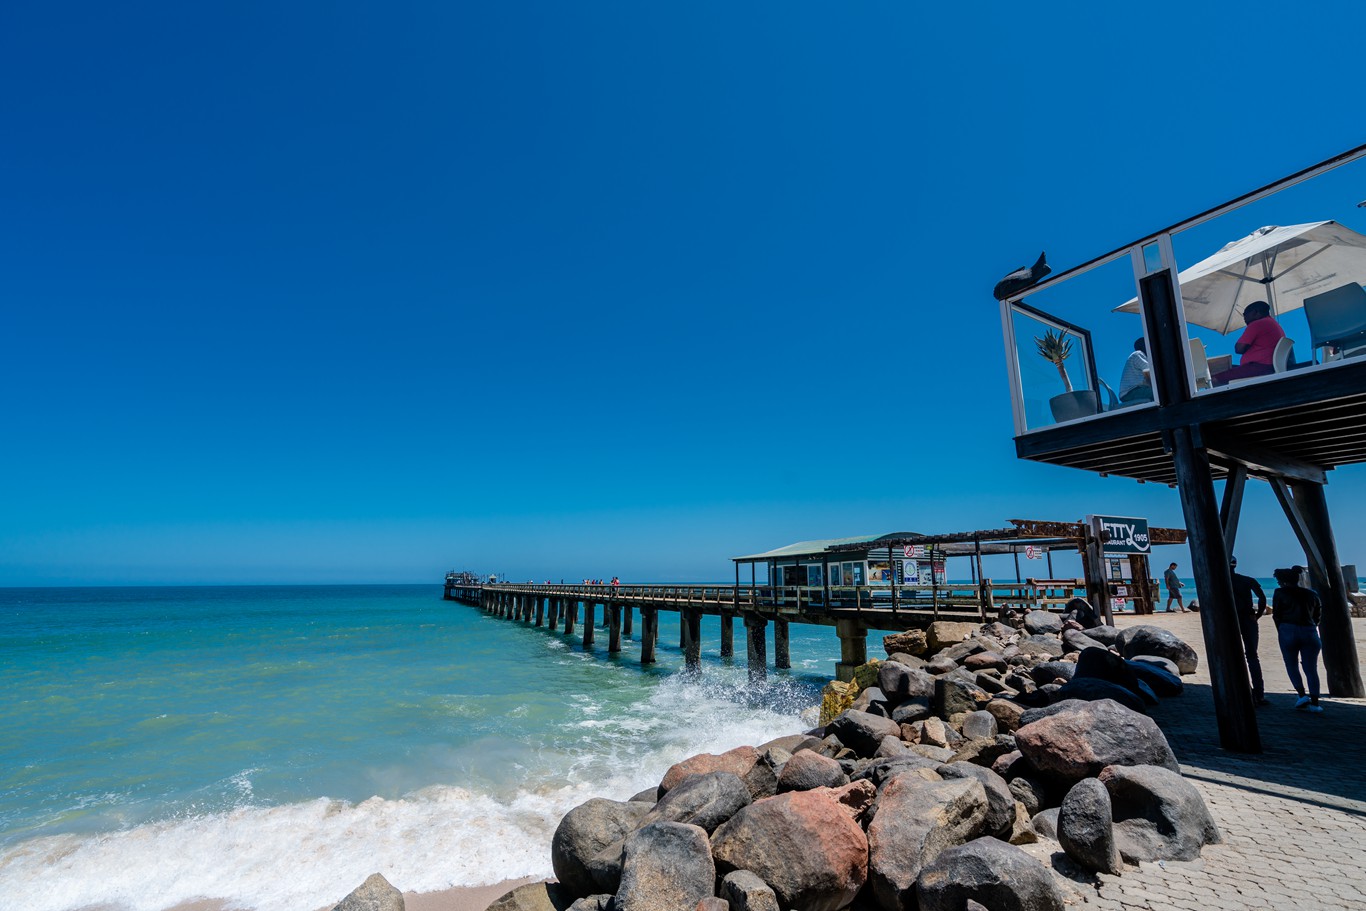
<point x="1293" y="818"/>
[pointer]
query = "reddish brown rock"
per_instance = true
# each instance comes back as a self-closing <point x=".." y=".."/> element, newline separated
<point x="855" y="798"/>
<point x="917" y="819"/>
<point x="1076" y="740"/>
<point x="739" y="761"/>
<point x="802" y="844"/>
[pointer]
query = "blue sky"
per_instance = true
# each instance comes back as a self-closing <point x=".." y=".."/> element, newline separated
<point x="344" y="292"/>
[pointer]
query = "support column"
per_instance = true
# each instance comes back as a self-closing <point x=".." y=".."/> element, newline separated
<point x="853" y="648"/>
<point x="649" y="629"/>
<point x="756" y="646"/>
<point x="626" y="620"/>
<point x="781" y="656"/>
<point x="613" y="628"/>
<point x="728" y="633"/>
<point x="571" y="615"/>
<point x="589" y="613"/>
<point x="552" y="609"/>
<point x="691" y="621"/>
<point x="1233" y="709"/>
<point x="1339" y="644"/>
<point x="540" y="610"/>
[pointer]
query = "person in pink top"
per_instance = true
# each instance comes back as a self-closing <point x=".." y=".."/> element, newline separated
<point x="1257" y="344"/>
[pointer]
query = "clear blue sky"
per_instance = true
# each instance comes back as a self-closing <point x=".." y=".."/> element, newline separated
<point x="363" y="292"/>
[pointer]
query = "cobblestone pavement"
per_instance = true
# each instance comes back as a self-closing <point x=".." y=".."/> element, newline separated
<point x="1293" y="818"/>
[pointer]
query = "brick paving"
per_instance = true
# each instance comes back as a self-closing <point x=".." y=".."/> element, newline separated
<point x="1293" y="818"/>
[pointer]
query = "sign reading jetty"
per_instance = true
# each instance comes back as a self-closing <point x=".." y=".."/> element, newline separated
<point x="1125" y="535"/>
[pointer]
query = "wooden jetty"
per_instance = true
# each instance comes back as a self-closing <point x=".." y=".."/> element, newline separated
<point x="852" y="609"/>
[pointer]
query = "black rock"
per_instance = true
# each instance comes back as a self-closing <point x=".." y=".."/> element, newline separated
<point x="807" y="770"/>
<point x="583" y="833"/>
<point x="902" y="683"/>
<point x="1000" y="800"/>
<point x="1040" y="622"/>
<point x="1085" y="829"/>
<point x="1091" y="689"/>
<point x="879" y="771"/>
<point x="1154" y="640"/>
<point x="913" y="710"/>
<point x="953" y="695"/>
<point x="707" y="800"/>
<point x="1158" y="814"/>
<point x="863" y="732"/>
<point x="1162" y="683"/>
<point x="747" y="892"/>
<point x="667" y="866"/>
<point x="1050" y="671"/>
<point x="998" y="875"/>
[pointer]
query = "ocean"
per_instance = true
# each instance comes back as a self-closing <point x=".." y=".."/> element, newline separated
<point x="270" y="747"/>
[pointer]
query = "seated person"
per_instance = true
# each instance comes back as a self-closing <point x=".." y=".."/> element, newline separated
<point x="1136" y="382"/>
<point x="1257" y="345"/>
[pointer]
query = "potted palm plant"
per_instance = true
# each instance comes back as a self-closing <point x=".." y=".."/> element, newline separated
<point x="1055" y="347"/>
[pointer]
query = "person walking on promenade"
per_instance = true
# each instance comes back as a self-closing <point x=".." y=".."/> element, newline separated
<point x="1296" y="612"/>
<point x="1174" y="586"/>
<point x="1243" y="588"/>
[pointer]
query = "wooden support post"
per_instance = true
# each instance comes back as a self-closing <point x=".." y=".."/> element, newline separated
<point x="728" y="633"/>
<point x="782" y="657"/>
<point x="1097" y="582"/>
<point x="1232" y="505"/>
<point x="571" y="615"/>
<point x="853" y="647"/>
<point x="626" y="620"/>
<point x="590" y="611"/>
<point x="757" y="646"/>
<point x="613" y="628"/>
<point x="691" y="621"/>
<point x="1339" y="645"/>
<point x="1233" y="709"/>
<point x="540" y="611"/>
<point x="649" y="631"/>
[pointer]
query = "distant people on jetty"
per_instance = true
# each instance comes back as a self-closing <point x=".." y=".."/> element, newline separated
<point x="616" y="583"/>
<point x="1243" y="589"/>
<point x="1136" y="382"/>
<point x="1296" y="611"/>
<point x="1257" y="345"/>
<point x="1174" y="586"/>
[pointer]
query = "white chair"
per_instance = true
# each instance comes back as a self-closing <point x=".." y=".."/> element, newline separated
<point x="1280" y="358"/>
<point x="1201" y="365"/>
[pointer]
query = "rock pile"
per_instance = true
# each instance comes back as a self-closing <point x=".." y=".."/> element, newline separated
<point x="929" y="773"/>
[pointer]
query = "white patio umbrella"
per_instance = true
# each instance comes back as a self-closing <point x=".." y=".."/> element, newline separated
<point x="1280" y="265"/>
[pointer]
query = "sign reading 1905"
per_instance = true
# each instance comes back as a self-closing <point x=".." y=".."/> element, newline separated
<point x="1125" y="536"/>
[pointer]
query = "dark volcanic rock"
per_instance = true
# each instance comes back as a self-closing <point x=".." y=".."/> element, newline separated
<point x="867" y="698"/>
<point x="747" y="892"/>
<point x="953" y="695"/>
<point x="1000" y="800"/>
<point x="1154" y="640"/>
<point x="883" y="769"/>
<point x="912" y="710"/>
<point x="1045" y="822"/>
<point x="1085" y="829"/>
<point x="985" y="750"/>
<point x="1031" y="792"/>
<point x="706" y="800"/>
<point x="1078" y="739"/>
<point x="863" y="732"/>
<point x="583" y="833"/>
<point x="1049" y="671"/>
<point x="1162" y="682"/>
<point x="807" y="770"/>
<point x="1158" y="814"/>
<point x="1091" y="689"/>
<point x="1105" y="635"/>
<point x="914" y="821"/>
<point x="375" y="894"/>
<point x="805" y="846"/>
<point x="1040" y="622"/>
<point x="667" y="867"/>
<point x="998" y="875"/>
<point x="901" y="683"/>
<point x="1103" y="664"/>
<point x="1074" y="640"/>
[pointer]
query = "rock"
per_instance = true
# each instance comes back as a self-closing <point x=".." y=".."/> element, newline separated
<point x="855" y="798"/>
<point x="593" y="903"/>
<point x="1006" y="713"/>
<point x="830" y="746"/>
<point x="1158" y="661"/>
<point x="706" y="800"/>
<point x="807" y="770"/>
<point x="533" y="897"/>
<point x="908" y="660"/>
<point x="991" y="682"/>
<point x="914" y="710"/>
<point x="1022" y="830"/>
<point x="1050" y="671"/>
<point x="712" y="903"/>
<point x="866" y="698"/>
<point x="938" y="754"/>
<point x="606" y="868"/>
<point x="649" y="795"/>
<point x="1078" y="739"/>
<point x="979" y="724"/>
<point x="962" y="650"/>
<point x="915" y="820"/>
<point x="1103" y="664"/>
<point x="1154" y="640"/>
<point x="1042" y="622"/>
<point x="747" y="892"/>
<point x="1000" y="801"/>
<point x="891" y="746"/>
<point x="1045" y="822"/>
<point x="985" y="750"/>
<point x="1074" y="640"/>
<point x="941" y="664"/>
<point x="1162" y="683"/>
<point x="1085" y="829"/>
<point x="1011" y="765"/>
<point x="836" y="699"/>
<point x="762" y="778"/>
<point x="1091" y="689"/>
<point x="998" y="630"/>
<point x="792" y="743"/>
<point x="1046" y="646"/>
<point x="739" y="761"/>
<point x="998" y="875"/>
<point x="912" y="642"/>
<point x="985" y="660"/>
<point x="667" y="866"/>
<point x="943" y="633"/>
<point x="375" y="894"/>
<point x="805" y="847"/>
<point x="865" y="675"/>
<point x="881" y="771"/>
<point x="952" y="695"/>
<point x="863" y="732"/>
<point x="583" y="833"/>
<point x="933" y="732"/>
<point x="1158" y="814"/>
<point x="1029" y="791"/>
<point x="901" y="683"/>
<point x="1107" y="636"/>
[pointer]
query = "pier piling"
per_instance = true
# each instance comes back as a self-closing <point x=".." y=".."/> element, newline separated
<point x="649" y="631"/>
<point x="691" y="621"/>
<point x="781" y="654"/>
<point x="613" y="628"/>
<point x="757" y="646"/>
<point x="727" y="634"/>
<point x="589" y="612"/>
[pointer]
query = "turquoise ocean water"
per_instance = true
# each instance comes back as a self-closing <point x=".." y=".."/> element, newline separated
<point x="271" y="747"/>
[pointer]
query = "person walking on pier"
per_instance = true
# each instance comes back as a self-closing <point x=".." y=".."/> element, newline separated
<point x="1243" y="589"/>
<point x="1174" y="586"/>
<point x="1296" y="612"/>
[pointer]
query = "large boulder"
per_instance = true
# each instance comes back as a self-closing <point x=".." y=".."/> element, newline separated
<point x="1085" y="828"/>
<point x="807" y="770"/>
<point x="1105" y="635"/>
<point x="1162" y="682"/>
<point x="1000" y="801"/>
<point x="1052" y="671"/>
<point x="1158" y="661"/>
<point x="739" y="761"/>
<point x="912" y="642"/>
<point x="667" y="867"/>
<point x="582" y="835"/>
<point x="953" y="695"/>
<point x="914" y="821"/>
<point x="706" y="800"/>
<point x="1154" y="640"/>
<point x="980" y="723"/>
<point x="1091" y="689"/>
<point x="997" y="875"/>
<point x="375" y="894"/>
<point x="1074" y="640"/>
<point x="862" y="732"/>
<point x="1042" y="622"/>
<point x="1007" y="714"/>
<point x="747" y="892"/>
<point x="1042" y="645"/>
<point x="882" y="770"/>
<point x="533" y="897"/>
<point x="855" y="798"/>
<point x="1158" y="814"/>
<point x="901" y="683"/>
<point x="808" y="849"/>
<point x="1073" y="740"/>
<point x="1103" y="664"/>
<point x="943" y="633"/>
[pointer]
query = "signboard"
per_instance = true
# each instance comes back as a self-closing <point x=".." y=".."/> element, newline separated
<point x="1117" y="604"/>
<point x="1127" y="536"/>
<point x="1033" y="553"/>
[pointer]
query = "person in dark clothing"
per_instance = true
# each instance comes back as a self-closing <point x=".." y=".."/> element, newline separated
<point x="1243" y="589"/>
<point x="1079" y="614"/>
<point x="1296" y="612"/>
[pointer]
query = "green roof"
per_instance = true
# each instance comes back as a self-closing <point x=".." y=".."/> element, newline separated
<point x="811" y="548"/>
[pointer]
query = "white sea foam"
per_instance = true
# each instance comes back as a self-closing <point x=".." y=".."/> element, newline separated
<point x="310" y="854"/>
